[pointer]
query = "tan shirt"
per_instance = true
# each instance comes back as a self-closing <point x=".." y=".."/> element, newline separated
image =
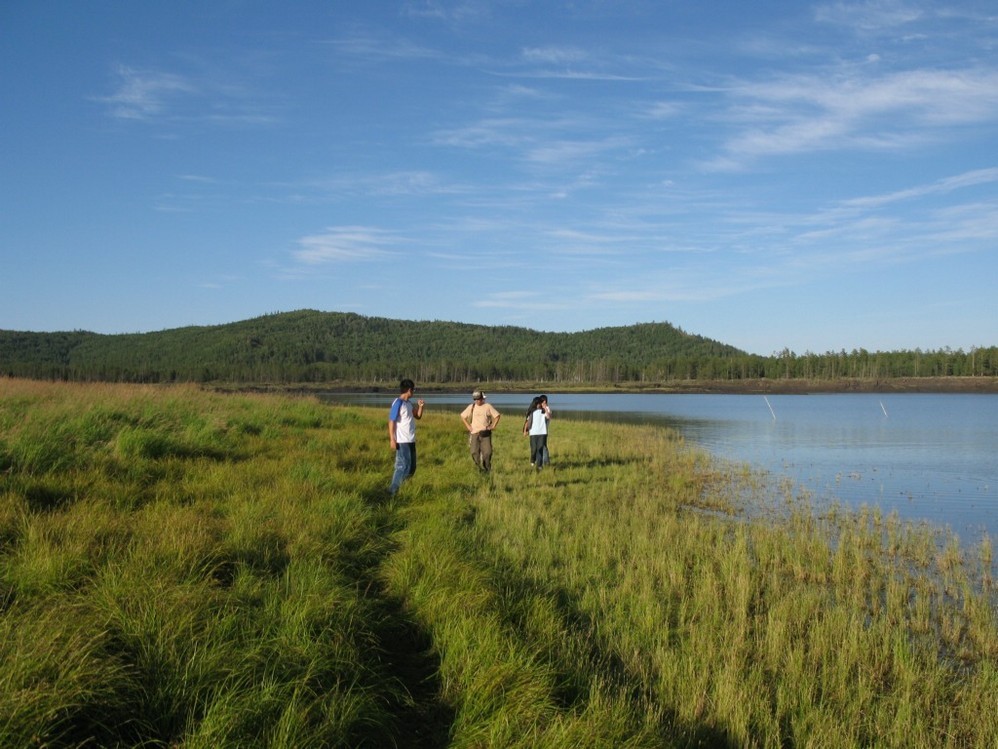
<point x="480" y="416"/>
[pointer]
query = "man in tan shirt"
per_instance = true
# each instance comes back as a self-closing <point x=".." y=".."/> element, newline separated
<point x="480" y="418"/>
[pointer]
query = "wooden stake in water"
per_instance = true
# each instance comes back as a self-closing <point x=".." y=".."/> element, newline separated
<point x="770" y="407"/>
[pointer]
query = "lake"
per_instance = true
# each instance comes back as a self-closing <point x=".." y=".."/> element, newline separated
<point x="930" y="457"/>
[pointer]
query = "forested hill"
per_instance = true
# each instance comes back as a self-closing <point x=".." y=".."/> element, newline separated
<point x="324" y="347"/>
<point x="310" y="346"/>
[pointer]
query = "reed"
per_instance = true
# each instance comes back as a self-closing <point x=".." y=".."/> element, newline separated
<point x="182" y="568"/>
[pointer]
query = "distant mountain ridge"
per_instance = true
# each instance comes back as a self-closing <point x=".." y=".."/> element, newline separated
<point x="309" y="345"/>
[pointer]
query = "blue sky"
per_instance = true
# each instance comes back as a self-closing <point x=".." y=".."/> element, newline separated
<point x="772" y="175"/>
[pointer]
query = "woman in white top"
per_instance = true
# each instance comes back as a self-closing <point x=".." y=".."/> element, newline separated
<point x="536" y="427"/>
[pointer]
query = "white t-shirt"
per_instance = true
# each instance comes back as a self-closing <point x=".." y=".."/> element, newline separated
<point x="405" y="424"/>
<point x="538" y="422"/>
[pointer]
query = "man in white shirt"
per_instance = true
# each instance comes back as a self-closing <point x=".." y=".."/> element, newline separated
<point x="402" y="433"/>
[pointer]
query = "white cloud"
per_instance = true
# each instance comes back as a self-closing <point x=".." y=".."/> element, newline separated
<point x="576" y="63"/>
<point x="345" y="244"/>
<point x="555" y="55"/>
<point x="869" y="16"/>
<point x="141" y="95"/>
<point x="949" y="184"/>
<point x="506" y="131"/>
<point x="372" y="48"/>
<point x="206" y="97"/>
<point x="811" y="113"/>
<point x="199" y="178"/>
<point x="567" y="152"/>
<point x="664" y="110"/>
<point x="460" y="11"/>
<point x="526" y="301"/>
<point x="678" y="285"/>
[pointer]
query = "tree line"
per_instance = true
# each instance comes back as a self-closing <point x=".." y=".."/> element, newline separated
<point x="315" y="347"/>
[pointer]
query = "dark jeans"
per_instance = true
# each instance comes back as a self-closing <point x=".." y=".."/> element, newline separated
<point x="538" y="443"/>
<point x="405" y="464"/>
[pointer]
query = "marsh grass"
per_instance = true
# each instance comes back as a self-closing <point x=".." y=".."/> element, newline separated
<point x="180" y="568"/>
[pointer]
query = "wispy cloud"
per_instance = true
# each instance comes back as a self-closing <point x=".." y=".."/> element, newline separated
<point x="378" y="48"/>
<point x="555" y="55"/>
<point x="851" y="111"/>
<point x="870" y="15"/>
<point x="562" y="152"/>
<point x="664" y="110"/>
<point x="198" y="178"/>
<point x="457" y="11"/>
<point x="524" y="301"/>
<point x="676" y="285"/>
<point x="492" y="131"/>
<point x="161" y="96"/>
<point x="642" y="264"/>
<point x="222" y="282"/>
<point x="542" y="142"/>
<point x="345" y="244"/>
<point x="947" y="185"/>
<point x="571" y="64"/>
<point x="141" y="95"/>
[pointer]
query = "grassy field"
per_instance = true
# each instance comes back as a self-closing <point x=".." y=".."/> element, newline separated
<point x="181" y="568"/>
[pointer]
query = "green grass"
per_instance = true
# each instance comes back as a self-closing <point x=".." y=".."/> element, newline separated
<point x="182" y="568"/>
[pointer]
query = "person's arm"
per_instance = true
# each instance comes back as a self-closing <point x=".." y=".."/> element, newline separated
<point x="393" y="415"/>
<point x="495" y="421"/>
<point x="465" y="420"/>
<point x="417" y="412"/>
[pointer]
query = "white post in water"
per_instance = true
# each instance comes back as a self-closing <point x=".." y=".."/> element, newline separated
<point x="883" y="409"/>
<point x="770" y="407"/>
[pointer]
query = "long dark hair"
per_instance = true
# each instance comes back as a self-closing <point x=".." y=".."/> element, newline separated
<point x="534" y="405"/>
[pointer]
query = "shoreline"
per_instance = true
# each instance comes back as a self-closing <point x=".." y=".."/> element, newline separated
<point x="941" y="385"/>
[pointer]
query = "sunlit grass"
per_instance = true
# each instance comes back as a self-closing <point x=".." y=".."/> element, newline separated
<point x="180" y="568"/>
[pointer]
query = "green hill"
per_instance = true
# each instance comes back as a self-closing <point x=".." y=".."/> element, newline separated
<point x="326" y="347"/>
<point x="311" y="346"/>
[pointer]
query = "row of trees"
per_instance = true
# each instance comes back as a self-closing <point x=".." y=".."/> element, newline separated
<point x="313" y="347"/>
<point x="978" y="362"/>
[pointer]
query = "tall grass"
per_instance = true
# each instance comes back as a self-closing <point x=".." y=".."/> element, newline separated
<point x="180" y="568"/>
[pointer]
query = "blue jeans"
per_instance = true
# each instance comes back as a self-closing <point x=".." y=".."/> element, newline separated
<point x="405" y="464"/>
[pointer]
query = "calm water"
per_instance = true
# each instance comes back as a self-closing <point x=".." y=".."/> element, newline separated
<point x="931" y="457"/>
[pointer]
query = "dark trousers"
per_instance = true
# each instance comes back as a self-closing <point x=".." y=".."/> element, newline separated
<point x="538" y="444"/>
<point x="481" y="449"/>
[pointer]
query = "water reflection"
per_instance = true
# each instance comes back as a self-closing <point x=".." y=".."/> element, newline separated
<point x="927" y="456"/>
